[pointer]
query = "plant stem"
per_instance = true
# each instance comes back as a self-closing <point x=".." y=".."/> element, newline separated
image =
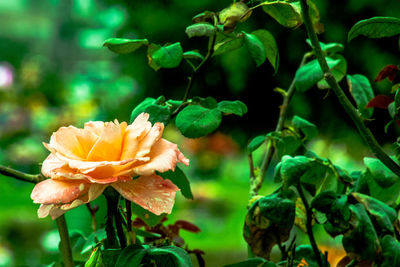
<point x="309" y="225"/>
<point x="279" y="126"/>
<point x="65" y="243"/>
<point x="195" y="71"/>
<point x="354" y="114"/>
<point x="120" y="231"/>
<point x="31" y="178"/>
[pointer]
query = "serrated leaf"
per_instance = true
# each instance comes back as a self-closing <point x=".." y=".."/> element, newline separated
<point x="376" y="27"/>
<point x="200" y="29"/>
<point x="167" y="56"/>
<point x="236" y="107"/>
<point x="271" y="48"/>
<point x="255" y="143"/>
<point x="178" y="177"/>
<point x="196" y="121"/>
<point x="362" y="92"/>
<point x="285" y="13"/>
<point x="255" y="48"/>
<point x="311" y="73"/>
<point x="124" y="46"/>
<point x="309" y="129"/>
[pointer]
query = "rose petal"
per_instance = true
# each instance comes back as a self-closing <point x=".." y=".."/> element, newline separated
<point x="134" y="132"/>
<point x="50" y="164"/>
<point x="163" y="157"/>
<point x="108" y="145"/>
<point x="150" y="139"/>
<point x="53" y="191"/>
<point x="150" y="192"/>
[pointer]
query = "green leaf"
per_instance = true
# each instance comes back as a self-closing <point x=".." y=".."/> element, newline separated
<point x="255" y="143"/>
<point x="311" y="73"/>
<point x="376" y="27"/>
<point x="253" y="262"/>
<point x="397" y="99"/>
<point x="170" y="256"/>
<point x="193" y="55"/>
<point x="309" y="129"/>
<point x="230" y="16"/>
<point x="362" y="92"/>
<point x="157" y="112"/>
<point x="236" y="107"/>
<point x="285" y="13"/>
<point x="329" y="48"/>
<point x="287" y="145"/>
<point x="167" y="56"/>
<point x="270" y="46"/>
<point x="381" y="174"/>
<point x="148" y="217"/>
<point x="338" y="71"/>
<point x="200" y="29"/>
<point x="140" y="232"/>
<point x="307" y="253"/>
<point x="256" y="48"/>
<point x="124" y="46"/>
<point x="208" y="102"/>
<point x="110" y="257"/>
<point x="292" y="168"/>
<point x="95" y="259"/>
<point x="131" y="256"/>
<point x="196" y="121"/>
<point x="390" y="251"/>
<point x="361" y="239"/>
<point x="178" y="177"/>
<point x="226" y="44"/>
<point x="388" y="195"/>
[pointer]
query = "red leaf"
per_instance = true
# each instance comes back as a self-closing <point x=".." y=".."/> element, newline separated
<point x="380" y="101"/>
<point x="180" y="224"/>
<point x="389" y="71"/>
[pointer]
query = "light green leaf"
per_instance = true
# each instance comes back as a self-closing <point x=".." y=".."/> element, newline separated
<point x="95" y="259"/>
<point x="196" y="121"/>
<point x="168" y="56"/>
<point x="178" y="177"/>
<point x="124" y="46"/>
<point x="338" y="71"/>
<point x="227" y="44"/>
<point x="376" y="27"/>
<point x="255" y="143"/>
<point x="362" y="92"/>
<point x="285" y="13"/>
<point x="381" y="174"/>
<point x="200" y="29"/>
<point x="236" y="107"/>
<point x="193" y="55"/>
<point x="271" y="48"/>
<point x="309" y="129"/>
<point x="255" y="47"/>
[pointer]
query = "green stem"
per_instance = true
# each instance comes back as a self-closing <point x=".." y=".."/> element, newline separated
<point x="309" y="225"/>
<point x="111" y="241"/>
<point x="65" y="243"/>
<point x="31" y="178"/>
<point x="195" y="71"/>
<point x="354" y="114"/>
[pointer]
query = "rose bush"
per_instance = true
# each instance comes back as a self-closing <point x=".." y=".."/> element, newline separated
<point x="83" y="162"/>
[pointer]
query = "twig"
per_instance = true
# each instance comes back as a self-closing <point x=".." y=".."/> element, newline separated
<point x="65" y="245"/>
<point x="354" y="114"/>
<point x="31" y="178"/>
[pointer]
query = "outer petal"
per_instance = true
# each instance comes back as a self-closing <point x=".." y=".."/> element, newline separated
<point x="151" y="192"/>
<point x="50" y="164"/>
<point x="163" y="157"/>
<point x="52" y="191"/>
<point x="150" y="139"/>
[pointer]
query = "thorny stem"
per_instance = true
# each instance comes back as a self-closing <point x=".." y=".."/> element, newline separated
<point x="256" y="182"/>
<point x="354" y="114"/>
<point x="195" y="71"/>
<point x="31" y="178"/>
<point x="64" y="243"/>
<point x="309" y="225"/>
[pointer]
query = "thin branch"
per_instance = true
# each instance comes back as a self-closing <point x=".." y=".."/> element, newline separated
<point x="65" y="245"/>
<point x="31" y="178"/>
<point x="354" y="114"/>
<point x="309" y="226"/>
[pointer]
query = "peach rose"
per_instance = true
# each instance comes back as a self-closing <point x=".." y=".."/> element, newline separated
<point x="83" y="162"/>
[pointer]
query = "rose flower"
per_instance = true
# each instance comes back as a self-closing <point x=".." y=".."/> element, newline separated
<point x="83" y="162"/>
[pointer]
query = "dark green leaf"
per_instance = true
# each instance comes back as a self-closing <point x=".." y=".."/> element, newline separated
<point x="168" y="56"/>
<point x="381" y="174"/>
<point x="338" y="71"/>
<point x="148" y="217"/>
<point x="196" y="121"/>
<point x="309" y="129"/>
<point x="292" y="168"/>
<point x="397" y="99"/>
<point x="285" y="13"/>
<point x="255" y="47"/>
<point x="362" y="92"/>
<point x="388" y="195"/>
<point x="329" y="48"/>
<point x="140" y="232"/>
<point x="311" y="73"/>
<point x="131" y="256"/>
<point x="193" y="55"/>
<point x="376" y="27"/>
<point x="110" y="257"/>
<point x="390" y="251"/>
<point x="270" y="46"/>
<point x="288" y="145"/>
<point x="236" y="107"/>
<point x="157" y="112"/>
<point x="200" y="29"/>
<point x="307" y="253"/>
<point x="227" y="44"/>
<point x="124" y="46"/>
<point x="255" y="143"/>
<point x="208" y="102"/>
<point x="252" y="262"/>
<point x="174" y="256"/>
<point x="179" y="178"/>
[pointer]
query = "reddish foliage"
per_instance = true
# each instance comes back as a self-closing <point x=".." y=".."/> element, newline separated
<point x="389" y="71"/>
<point x="380" y="101"/>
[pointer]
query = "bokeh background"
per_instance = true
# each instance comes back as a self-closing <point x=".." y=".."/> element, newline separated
<point x="54" y="72"/>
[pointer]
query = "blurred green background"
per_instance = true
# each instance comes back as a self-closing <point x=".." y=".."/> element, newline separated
<point x="54" y="72"/>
